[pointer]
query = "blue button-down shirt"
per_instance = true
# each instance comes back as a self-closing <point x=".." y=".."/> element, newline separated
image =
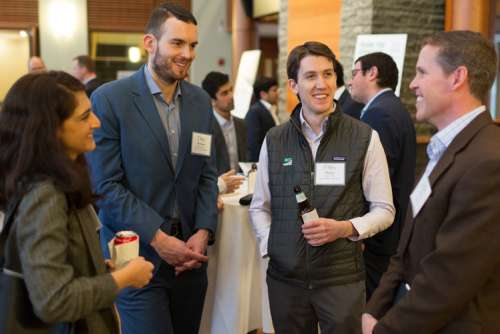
<point x="169" y="114"/>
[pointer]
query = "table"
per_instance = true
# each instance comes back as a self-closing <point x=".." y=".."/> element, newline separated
<point x="236" y="300"/>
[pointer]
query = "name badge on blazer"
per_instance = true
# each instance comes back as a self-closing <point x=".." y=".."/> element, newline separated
<point x="201" y="144"/>
<point x="420" y="195"/>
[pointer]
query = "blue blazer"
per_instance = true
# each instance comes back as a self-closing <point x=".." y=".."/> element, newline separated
<point x="258" y="121"/>
<point x="389" y="117"/>
<point x="132" y="167"/>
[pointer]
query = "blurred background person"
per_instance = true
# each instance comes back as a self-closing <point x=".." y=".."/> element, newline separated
<point x="83" y="68"/>
<point x="263" y="114"/>
<point x="42" y="141"/>
<point x="374" y="79"/>
<point x="342" y="95"/>
<point x="36" y="64"/>
<point x="230" y="133"/>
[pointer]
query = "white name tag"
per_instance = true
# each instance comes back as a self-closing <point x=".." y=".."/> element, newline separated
<point x="201" y="144"/>
<point x="330" y="174"/>
<point x="420" y="195"/>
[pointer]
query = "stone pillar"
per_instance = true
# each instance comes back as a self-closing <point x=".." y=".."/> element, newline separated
<point x="243" y="34"/>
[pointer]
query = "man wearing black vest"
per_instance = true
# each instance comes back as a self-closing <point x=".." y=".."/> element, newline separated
<point x="316" y="271"/>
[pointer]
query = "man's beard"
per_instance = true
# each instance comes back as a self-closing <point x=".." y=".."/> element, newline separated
<point x="164" y="70"/>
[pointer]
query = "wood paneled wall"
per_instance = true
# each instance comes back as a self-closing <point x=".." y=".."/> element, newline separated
<point x="18" y="13"/>
<point x="109" y="15"/>
<point x="123" y="15"/>
<point x="316" y="20"/>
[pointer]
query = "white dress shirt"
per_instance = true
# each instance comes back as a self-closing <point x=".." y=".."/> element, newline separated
<point x="435" y="149"/>
<point x="376" y="189"/>
<point x="380" y="92"/>
<point x="338" y="92"/>
<point x="229" y="132"/>
<point x="272" y="110"/>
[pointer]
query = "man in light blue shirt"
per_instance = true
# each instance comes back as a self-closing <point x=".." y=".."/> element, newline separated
<point x="445" y="276"/>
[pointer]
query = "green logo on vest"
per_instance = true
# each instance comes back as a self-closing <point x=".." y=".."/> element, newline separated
<point x="287" y="161"/>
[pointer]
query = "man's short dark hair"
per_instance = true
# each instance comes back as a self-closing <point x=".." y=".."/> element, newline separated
<point x="387" y="68"/>
<point x="339" y="72"/>
<point x="85" y="61"/>
<point x="311" y="48"/>
<point x="161" y="13"/>
<point x="213" y="81"/>
<point x="469" y="49"/>
<point x="263" y="84"/>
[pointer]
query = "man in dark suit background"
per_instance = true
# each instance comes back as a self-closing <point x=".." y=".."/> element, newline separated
<point x="83" y="68"/>
<point x="342" y="95"/>
<point x="262" y="115"/>
<point x="374" y="78"/>
<point x="155" y="169"/>
<point x="230" y="133"/>
<point x="446" y="272"/>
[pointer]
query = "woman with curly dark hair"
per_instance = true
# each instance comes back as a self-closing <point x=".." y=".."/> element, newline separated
<point x="46" y="126"/>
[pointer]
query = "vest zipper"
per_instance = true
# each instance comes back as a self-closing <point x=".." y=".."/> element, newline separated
<point x="311" y="196"/>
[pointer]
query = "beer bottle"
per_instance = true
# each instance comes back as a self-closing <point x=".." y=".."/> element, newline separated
<point x="307" y="212"/>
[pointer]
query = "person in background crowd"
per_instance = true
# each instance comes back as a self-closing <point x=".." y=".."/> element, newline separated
<point x="83" y="68"/>
<point x="263" y="114"/>
<point x="42" y="167"/>
<point x="36" y="64"/>
<point x="445" y="277"/>
<point x="230" y="133"/>
<point x="342" y="95"/>
<point x="155" y="167"/>
<point x="316" y="271"/>
<point x="374" y="79"/>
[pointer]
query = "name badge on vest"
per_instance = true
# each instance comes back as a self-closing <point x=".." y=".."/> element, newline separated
<point x="420" y="195"/>
<point x="330" y="173"/>
<point x="201" y="144"/>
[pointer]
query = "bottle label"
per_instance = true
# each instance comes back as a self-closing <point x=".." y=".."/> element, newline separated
<point x="311" y="215"/>
<point x="300" y="197"/>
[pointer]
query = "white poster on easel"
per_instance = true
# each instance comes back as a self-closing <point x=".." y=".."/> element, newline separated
<point x="392" y="44"/>
<point x="245" y="78"/>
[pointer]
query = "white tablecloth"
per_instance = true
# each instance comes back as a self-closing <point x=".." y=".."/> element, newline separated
<point x="236" y="300"/>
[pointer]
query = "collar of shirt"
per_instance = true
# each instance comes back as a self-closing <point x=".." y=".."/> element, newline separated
<point x="307" y="129"/>
<point x="442" y="139"/>
<point x="266" y="104"/>
<point x="340" y="90"/>
<point x="373" y="99"/>
<point x="153" y="87"/>
<point x="92" y="77"/>
<point x="222" y="121"/>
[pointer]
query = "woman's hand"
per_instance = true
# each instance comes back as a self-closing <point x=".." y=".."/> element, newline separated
<point x="137" y="273"/>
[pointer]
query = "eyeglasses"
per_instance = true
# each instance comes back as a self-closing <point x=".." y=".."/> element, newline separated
<point x="355" y="71"/>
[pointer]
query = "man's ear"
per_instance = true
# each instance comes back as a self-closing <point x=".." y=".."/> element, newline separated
<point x="150" y="43"/>
<point x="372" y="73"/>
<point x="459" y="77"/>
<point x="293" y="86"/>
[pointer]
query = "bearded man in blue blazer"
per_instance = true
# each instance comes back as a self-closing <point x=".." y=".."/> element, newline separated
<point x="155" y="171"/>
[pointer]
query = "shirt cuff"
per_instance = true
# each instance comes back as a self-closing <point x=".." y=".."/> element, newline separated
<point x="362" y="229"/>
<point x="263" y="245"/>
<point x="221" y="185"/>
